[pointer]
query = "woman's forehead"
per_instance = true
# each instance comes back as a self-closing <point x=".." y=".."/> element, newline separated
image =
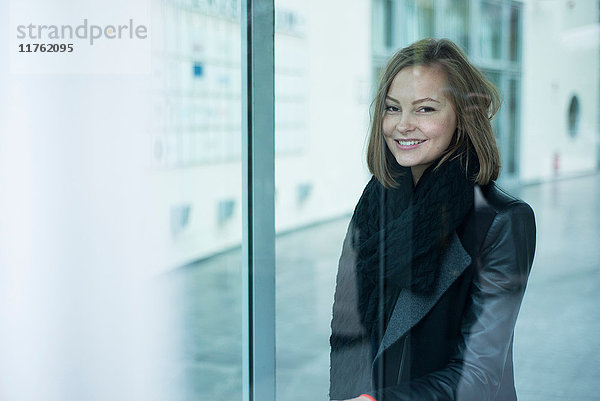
<point x="421" y="80"/>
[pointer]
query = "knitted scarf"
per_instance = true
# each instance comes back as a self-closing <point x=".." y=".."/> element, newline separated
<point x="402" y="233"/>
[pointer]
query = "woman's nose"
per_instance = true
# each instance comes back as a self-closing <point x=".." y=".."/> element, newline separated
<point x="405" y="123"/>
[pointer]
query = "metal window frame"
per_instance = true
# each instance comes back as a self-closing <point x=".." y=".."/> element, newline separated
<point x="258" y="198"/>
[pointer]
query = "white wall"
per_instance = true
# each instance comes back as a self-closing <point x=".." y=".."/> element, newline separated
<point x="334" y="60"/>
<point x="338" y="40"/>
<point x="560" y="58"/>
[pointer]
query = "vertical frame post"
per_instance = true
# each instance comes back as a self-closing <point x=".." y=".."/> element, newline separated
<point x="598" y="111"/>
<point x="258" y="193"/>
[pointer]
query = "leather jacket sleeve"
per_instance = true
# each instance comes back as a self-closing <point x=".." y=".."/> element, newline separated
<point x="475" y="371"/>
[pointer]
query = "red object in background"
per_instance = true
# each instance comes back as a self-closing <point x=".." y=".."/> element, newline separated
<point x="556" y="163"/>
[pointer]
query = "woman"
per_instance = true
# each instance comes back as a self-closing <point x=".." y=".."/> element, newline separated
<point x="436" y="258"/>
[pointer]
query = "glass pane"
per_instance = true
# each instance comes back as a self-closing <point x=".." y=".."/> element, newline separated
<point x="379" y="26"/>
<point x="490" y="26"/>
<point x="120" y="239"/>
<point x="322" y="81"/>
<point x="515" y="33"/>
<point x="197" y="153"/>
<point x="418" y="20"/>
<point x="532" y="130"/>
<point x="425" y="18"/>
<point x="456" y="21"/>
<point x="495" y="78"/>
<point x="410" y="24"/>
<point x="513" y="124"/>
<point x="388" y="15"/>
<point x="535" y="132"/>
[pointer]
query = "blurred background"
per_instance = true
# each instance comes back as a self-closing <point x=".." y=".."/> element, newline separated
<point x="121" y="205"/>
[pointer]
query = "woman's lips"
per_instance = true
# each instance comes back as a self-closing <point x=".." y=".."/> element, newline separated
<point x="407" y="144"/>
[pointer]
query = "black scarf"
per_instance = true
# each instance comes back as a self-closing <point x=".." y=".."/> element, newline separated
<point x="402" y="233"/>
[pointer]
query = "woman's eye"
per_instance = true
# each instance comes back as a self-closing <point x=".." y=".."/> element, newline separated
<point x="425" y="109"/>
<point x="391" y="108"/>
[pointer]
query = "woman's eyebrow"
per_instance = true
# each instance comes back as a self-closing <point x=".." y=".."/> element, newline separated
<point x="425" y="99"/>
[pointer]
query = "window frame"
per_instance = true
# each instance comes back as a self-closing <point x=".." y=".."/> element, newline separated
<point x="258" y="200"/>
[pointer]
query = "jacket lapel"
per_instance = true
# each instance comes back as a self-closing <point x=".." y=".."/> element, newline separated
<point x="412" y="307"/>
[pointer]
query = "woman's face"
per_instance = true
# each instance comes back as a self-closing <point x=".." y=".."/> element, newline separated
<point x="419" y="119"/>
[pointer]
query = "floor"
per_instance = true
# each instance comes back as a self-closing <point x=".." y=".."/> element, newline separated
<point x="556" y="353"/>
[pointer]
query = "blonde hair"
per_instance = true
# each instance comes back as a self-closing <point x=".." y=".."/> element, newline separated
<point x="475" y="101"/>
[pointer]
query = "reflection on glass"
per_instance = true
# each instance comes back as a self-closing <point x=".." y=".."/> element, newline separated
<point x="388" y="15"/>
<point x="425" y="19"/>
<point x="456" y="22"/>
<point x="205" y="298"/>
<point x="379" y="36"/>
<point x="291" y="71"/>
<point x="197" y="152"/>
<point x="495" y="78"/>
<point x="322" y="75"/>
<point x="573" y="116"/>
<point x="418" y="20"/>
<point x="515" y="33"/>
<point x="410" y="24"/>
<point x="199" y="86"/>
<point x="511" y="156"/>
<point x="490" y="26"/>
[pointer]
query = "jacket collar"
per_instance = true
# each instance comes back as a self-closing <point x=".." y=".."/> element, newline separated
<point x="411" y="307"/>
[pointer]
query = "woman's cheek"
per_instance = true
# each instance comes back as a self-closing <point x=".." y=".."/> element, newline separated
<point x="387" y="126"/>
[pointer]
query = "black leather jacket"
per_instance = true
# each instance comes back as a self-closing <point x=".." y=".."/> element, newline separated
<point x="457" y="343"/>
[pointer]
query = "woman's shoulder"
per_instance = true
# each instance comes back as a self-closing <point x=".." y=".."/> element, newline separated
<point x="495" y="199"/>
<point x="506" y="233"/>
<point x="511" y="236"/>
<point x="493" y="207"/>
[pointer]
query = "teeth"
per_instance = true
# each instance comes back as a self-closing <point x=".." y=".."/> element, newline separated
<point x="408" y="143"/>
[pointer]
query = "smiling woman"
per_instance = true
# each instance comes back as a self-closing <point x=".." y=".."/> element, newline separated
<point x="419" y="119"/>
<point x="450" y="79"/>
<point x="437" y="257"/>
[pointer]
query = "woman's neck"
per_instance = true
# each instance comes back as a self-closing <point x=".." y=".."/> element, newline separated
<point x="417" y="172"/>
